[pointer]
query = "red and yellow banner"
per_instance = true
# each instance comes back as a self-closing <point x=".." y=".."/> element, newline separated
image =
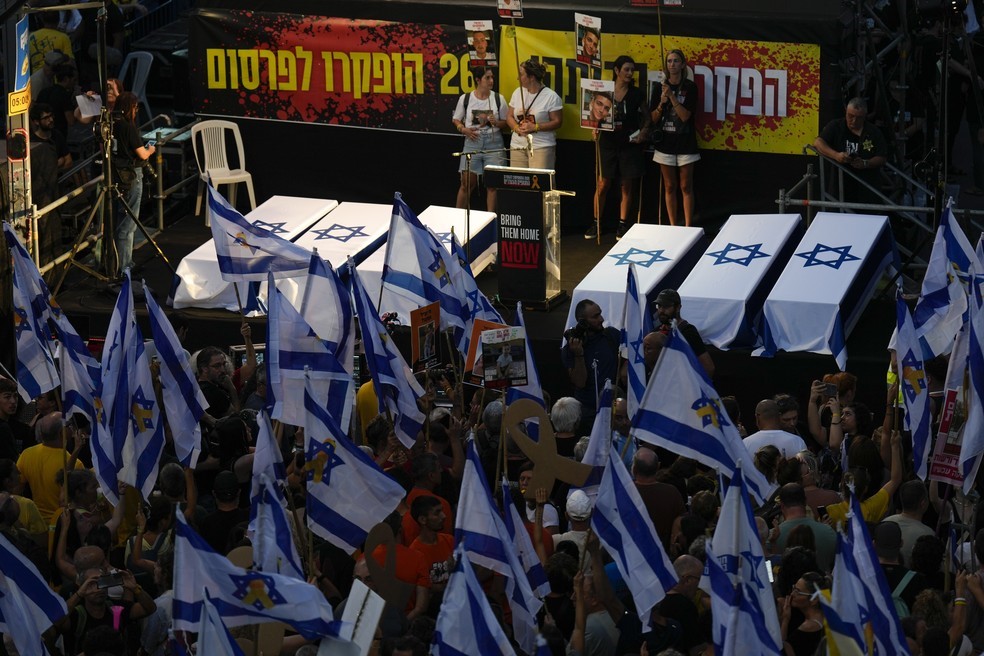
<point x="755" y="96"/>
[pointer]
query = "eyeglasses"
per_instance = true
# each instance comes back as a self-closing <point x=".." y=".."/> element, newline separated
<point x="801" y="593"/>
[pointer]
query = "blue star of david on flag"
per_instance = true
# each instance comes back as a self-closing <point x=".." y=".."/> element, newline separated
<point x="709" y="412"/>
<point x="913" y="376"/>
<point x="321" y="467"/>
<point x="723" y="256"/>
<point x="340" y="232"/>
<point x="639" y="257"/>
<point x="445" y="237"/>
<point x="638" y="350"/>
<point x="440" y="271"/>
<point x="275" y="228"/>
<point x="753" y="563"/>
<point x="474" y="303"/>
<point x="257" y="590"/>
<point x="142" y="411"/>
<point x="813" y="257"/>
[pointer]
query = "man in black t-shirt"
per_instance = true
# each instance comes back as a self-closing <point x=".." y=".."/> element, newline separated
<point x="591" y="360"/>
<point x="668" y="306"/>
<point x="855" y="144"/>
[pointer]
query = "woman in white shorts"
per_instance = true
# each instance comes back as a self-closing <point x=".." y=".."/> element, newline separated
<point x="673" y="115"/>
<point x="480" y="116"/>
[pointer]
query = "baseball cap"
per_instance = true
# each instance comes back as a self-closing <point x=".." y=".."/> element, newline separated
<point x="888" y="540"/>
<point x="668" y="297"/>
<point x="226" y="486"/>
<point x="579" y="506"/>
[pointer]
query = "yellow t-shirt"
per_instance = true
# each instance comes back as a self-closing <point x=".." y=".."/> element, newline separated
<point x="873" y="509"/>
<point x="30" y="518"/>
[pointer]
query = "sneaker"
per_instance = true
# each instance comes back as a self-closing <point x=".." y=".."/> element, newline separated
<point x="592" y="231"/>
<point x="622" y="227"/>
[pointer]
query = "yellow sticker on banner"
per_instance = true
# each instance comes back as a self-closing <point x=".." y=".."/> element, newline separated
<point x="753" y="96"/>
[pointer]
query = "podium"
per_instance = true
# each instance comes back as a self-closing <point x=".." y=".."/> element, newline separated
<point x="528" y="235"/>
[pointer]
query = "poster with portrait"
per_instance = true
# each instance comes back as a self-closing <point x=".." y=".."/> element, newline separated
<point x="504" y="357"/>
<point x="588" y="34"/>
<point x="510" y="8"/>
<point x="425" y="325"/>
<point x="597" y="104"/>
<point x="481" y="46"/>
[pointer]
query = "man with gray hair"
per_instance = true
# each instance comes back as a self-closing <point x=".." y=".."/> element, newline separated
<point x="565" y="416"/>
<point x="663" y="501"/>
<point x="854" y="144"/>
<point x="39" y="465"/>
<point x="678" y="603"/>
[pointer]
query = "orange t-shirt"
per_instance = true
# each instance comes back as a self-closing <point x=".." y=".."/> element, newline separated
<point x="411" y="529"/>
<point x="410" y="568"/>
<point x="437" y="556"/>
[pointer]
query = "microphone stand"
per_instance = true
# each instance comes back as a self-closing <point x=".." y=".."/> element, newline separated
<point x="468" y="159"/>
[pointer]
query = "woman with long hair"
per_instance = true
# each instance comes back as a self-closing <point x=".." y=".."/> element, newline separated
<point x="620" y="150"/>
<point x="128" y="158"/>
<point x="674" y="111"/>
<point x="480" y="117"/>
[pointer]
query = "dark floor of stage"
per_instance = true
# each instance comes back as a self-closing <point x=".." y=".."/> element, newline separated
<point x="88" y="303"/>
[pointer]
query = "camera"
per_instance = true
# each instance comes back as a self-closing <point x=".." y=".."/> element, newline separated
<point x="577" y="331"/>
<point x="111" y="580"/>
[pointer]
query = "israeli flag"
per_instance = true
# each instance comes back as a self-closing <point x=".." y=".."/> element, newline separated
<point x="27" y="605"/>
<point x="973" y="432"/>
<point x="846" y="612"/>
<point x="214" y="638"/>
<point x="184" y="403"/>
<point x="327" y="307"/>
<point x="739" y="554"/>
<point x="475" y="304"/>
<point x="633" y="331"/>
<point x="535" y="573"/>
<point x="36" y="371"/>
<point x="465" y="623"/>
<point x="394" y="383"/>
<point x="623" y="525"/>
<point x="348" y="493"/>
<point x="416" y="267"/>
<point x="943" y="300"/>
<point x="273" y="542"/>
<point x="241" y="596"/>
<point x="915" y="386"/>
<point x="686" y="416"/>
<point x="532" y="389"/>
<point x="247" y="252"/>
<point x="481" y="533"/>
<point x="267" y="458"/>
<point x="889" y="638"/>
<point x="145" y="439"/>
<point x="599" y="443"/>
<point x="295" y="352"/>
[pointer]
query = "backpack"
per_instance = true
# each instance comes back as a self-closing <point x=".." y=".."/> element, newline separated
<point x="902" y="608"/>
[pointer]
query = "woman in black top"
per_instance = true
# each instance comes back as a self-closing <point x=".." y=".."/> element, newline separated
<point x="621" y="149"/>
<point x="673" y="112"/>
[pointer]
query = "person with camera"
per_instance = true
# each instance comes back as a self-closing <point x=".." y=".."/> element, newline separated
<point x="91" y="606"/>
<point x="850" y="141"/>
<point x="590" y="355"/>
<point x="675" y="136"/>
<point x="128" y="163"/>
<point x="536" y="112"/>
<point x="668" y="306"/>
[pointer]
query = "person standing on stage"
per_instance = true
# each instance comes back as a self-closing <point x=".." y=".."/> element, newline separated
<point x="621" y="149"/>
<point x="673" y="114"/>
<point x="480" y="116"/>
<point x="128" y="159"/>
<point x="535" y="113"/>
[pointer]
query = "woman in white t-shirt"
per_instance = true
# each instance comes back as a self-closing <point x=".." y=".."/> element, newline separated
<point x="535" y="113"/>
<point x="480" y="116"/>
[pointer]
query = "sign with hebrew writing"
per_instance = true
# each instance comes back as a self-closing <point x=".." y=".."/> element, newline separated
<point x="755" y="96"/>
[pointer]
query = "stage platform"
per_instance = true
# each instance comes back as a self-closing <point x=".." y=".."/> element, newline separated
<point x="89" y="303"/>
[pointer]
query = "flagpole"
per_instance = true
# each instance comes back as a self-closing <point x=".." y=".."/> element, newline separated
<point x="239" y="301"/>
<point x="500" y="467"/>
<point x="64" y="454"/>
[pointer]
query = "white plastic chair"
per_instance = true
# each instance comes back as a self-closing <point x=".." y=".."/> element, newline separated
<point x="213" y="164"/>
<point x="140" y="61"/>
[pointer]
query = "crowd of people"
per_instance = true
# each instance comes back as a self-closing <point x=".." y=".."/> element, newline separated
<point x="113" y="565"/>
